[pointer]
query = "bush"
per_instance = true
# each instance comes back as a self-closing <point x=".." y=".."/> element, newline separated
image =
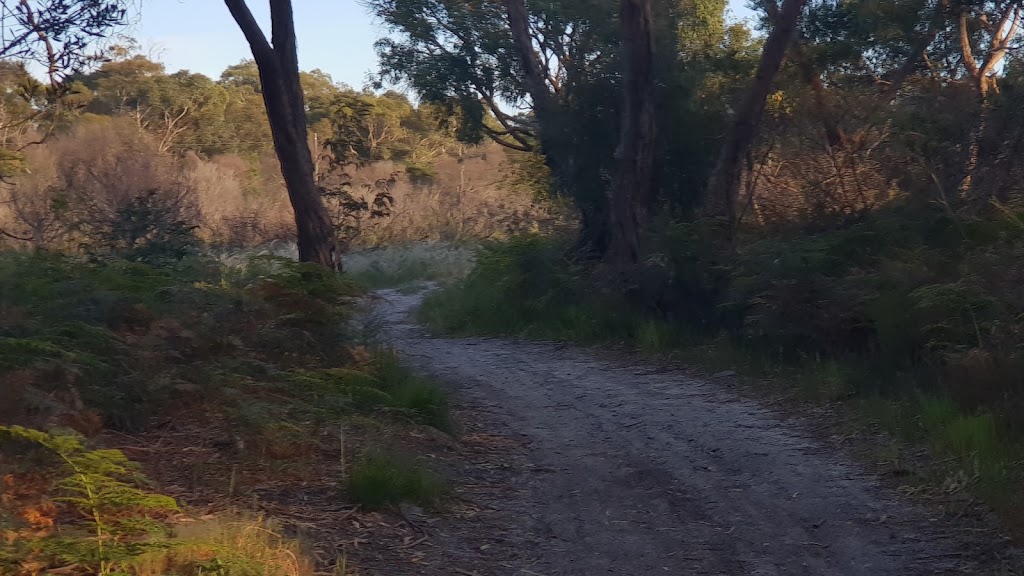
<point x="147" y="229"/>
<point x="526" y="286"/>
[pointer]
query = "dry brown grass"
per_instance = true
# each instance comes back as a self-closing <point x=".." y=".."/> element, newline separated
<point x="466" y="200"/>
<point x="244" y="546"/>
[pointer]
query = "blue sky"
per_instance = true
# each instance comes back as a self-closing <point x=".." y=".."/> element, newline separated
<point x="199" y="35"/>
<point x="334" y="35"/>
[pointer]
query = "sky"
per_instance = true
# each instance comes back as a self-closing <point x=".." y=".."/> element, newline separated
<point x="335" y="36"/>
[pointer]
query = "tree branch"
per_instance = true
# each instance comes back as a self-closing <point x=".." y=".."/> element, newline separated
<point x="261" y="48"/>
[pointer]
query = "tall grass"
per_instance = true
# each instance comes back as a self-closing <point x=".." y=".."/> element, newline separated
<point x="397" y="266"/>
<point x="524" y="287"/>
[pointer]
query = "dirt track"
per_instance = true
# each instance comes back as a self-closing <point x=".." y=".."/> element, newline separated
<point x="635" y="471"/>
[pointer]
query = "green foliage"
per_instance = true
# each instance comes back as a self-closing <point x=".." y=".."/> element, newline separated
<point x="978" y="441"/>
<point x="530" y="286"/>
<point x="184" y="109"/>
<point x="104" y="487"/>
<point x="461" y="56"/>
<point x="133" y="339"/>
<point x="525" y="286"/>
<point x="190" y="112"/>
<point x="381" y="479"/>
<point x="417" y="397"/>
<point x="264" y="348"/>
<point x="384" y="387"/>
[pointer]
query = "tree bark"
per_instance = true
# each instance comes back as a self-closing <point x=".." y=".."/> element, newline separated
<point x="630" y="192"/>
<point x="545" y="109"/>
<point x="720" y="200"/>
<point x="282" y="94"/>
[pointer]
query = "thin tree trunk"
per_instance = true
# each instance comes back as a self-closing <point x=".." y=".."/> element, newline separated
<point x="282" y="94"/>
<point x="635" y="154"/>
<point x="725" y="180"/>
<point x="974" y="146"/>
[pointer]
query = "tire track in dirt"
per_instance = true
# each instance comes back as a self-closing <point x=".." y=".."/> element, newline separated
<point x="634" y="472"/>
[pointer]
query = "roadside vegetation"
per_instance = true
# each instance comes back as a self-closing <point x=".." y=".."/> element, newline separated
<point x="829" y="194"/>
<point x="909" y="321"/>
<point x="214" y="381"/>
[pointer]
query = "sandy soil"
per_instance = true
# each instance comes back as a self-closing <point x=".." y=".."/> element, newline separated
<point x="632" y="470"/>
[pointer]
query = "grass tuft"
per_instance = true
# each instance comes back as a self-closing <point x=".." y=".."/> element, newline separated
<point x="379" y="479"/>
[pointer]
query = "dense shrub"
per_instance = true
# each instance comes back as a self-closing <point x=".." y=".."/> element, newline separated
<point x="526" y="286"/>
<point x="911" y="294"/>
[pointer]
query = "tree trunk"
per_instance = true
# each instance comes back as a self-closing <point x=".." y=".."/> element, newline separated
<point x="835" y="137"/>
<point x="545" y="109"/>
<point x="282" y="94"/>
<point x="984" y="80"/>
<point x="724" y="185"/>
<point x="630" y="192"/>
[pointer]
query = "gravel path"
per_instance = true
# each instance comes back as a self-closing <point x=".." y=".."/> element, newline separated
<point x="638" y="471"/>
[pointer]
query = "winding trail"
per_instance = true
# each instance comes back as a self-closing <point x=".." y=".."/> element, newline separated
<point x="636" y="471"/>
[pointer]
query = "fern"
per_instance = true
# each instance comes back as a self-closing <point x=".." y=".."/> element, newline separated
<point x="106" y="489"/>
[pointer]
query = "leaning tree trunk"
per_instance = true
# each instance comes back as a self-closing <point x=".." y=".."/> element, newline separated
<point x="631" y="189"/>
<point x="278" y="64"/>
<point x="545" y="109"/>
<point x="725" y="180"/>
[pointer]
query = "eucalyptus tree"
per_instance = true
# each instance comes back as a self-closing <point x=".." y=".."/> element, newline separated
<point x="546" y="77"/>
<point x="278" y="63"/>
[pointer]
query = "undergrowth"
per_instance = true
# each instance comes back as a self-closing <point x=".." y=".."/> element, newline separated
<point x="380" y="479"/>
<point x="260" y="354"/>
<point x="918" y="312"/>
